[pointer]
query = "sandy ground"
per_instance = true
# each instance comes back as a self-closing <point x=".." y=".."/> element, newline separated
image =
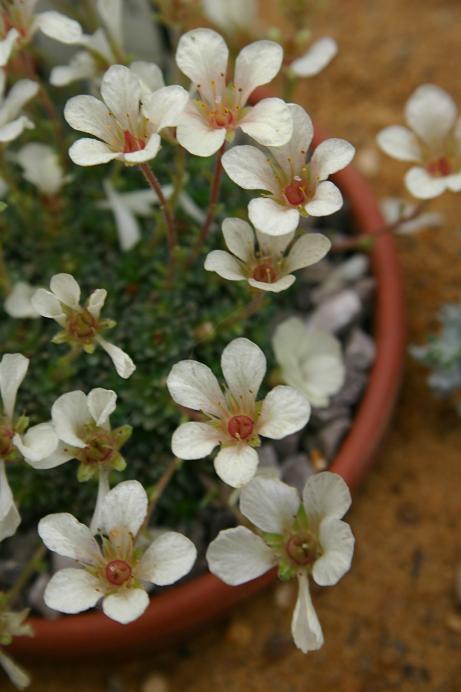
<point x="393" y="622"/>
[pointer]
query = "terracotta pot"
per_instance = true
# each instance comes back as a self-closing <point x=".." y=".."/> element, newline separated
<point x="175" y="613"/>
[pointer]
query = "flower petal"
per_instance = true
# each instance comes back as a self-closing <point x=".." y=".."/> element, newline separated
<point x="111" y="13"/>
<point x="337" y="543"/>
<point x="59" y="27"/>
<point x="124" y="507"/>
<point x="16" y="674"/>
<point x="70" y="413"/>
<point x="285" y="410"/>
<point x="13" y="369"/>
<point x="422" y="185"/>
<point x="150" y="75"/>
<point x="20" y="93"/>
<point x="7" y="45"/>
<point x="149" y="152"/>
<point x="239" y="238"/>
<point x="96" y="302"/>
<point x="327" y="200"/>
<point x="81" y="66"/>
<point x="47" y="305"/>
<point x="194" y="440"/>
<point x="238" y="555"/>
<point x="224" y="264"/>
<point x="431" y="113"/>
<point x="202" y="56"/>
<point x="101" y="403"/>
<point x="9" y="515"/>
<point x="195" y="134"/>
<point x="128" y="229"/>
<point x="307" y="250"/>
<point x="165" y="106"/>
<point x="169" y="558"/>
<point x="91" y="152"/>
<point x="270" y="504"/>
<point x="121" y="360"/>
<point x="38" y="442"/>
<point x="272" y="218"/>
<point x="276" y="286"/>
<point x="66" y="290"/>
<point x="56" y="458"/>
<point x="305" y="625"/>
<point x="63" y="534"/>
<point x="89" y="114"/>
<point x="331" y="156"/>
<point x="121" y="92"/>
<point x="319" y="55"/>
<point x="125" y="606"/>
<point x="249" y="168"/>
<point x="400" y="143"/>
<point x="243" y="365"/>
<point x="256" y="64"/>
<point x="269" y="122"/>
<point x="326" y="495"/>
<point x="72" y="590"/>
<point x="18" y="302"/>
<point x="192" y="384"/>
<point x="236" y="465"/>
<point x="292" y="155"/>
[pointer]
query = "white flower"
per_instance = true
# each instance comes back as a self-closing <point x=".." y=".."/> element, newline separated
<point x="235" y="418"/>
<point x="41" y="167"/>
<point x="310" y="360"/>
<point x="82" y="326"/>
<point x="301" y="538"/>
<point x="295" y="187"/>
<point x="15" y="443"/>
<point x="220" y="107"/>
<point x="18" y="302"/>
<point x="265" y="267"/>
<point x="116" y="572"/>
<point x="319" y="55"/>
<point x="433" y="142"/>
<point x="12" y="625"/>
<point x="127" y="120"/>
<point x="12" y="123"/>
<point x="397" y="211"/>
<point x="238" y="16"/>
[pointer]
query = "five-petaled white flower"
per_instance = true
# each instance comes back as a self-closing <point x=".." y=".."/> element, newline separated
<point x="433" y="142"/>
<point x="296" y="187"/>
<point x="310" y="360"/>
<point x="116" y="571"/>
<point x="41" y="167"/>
<point x="236" y="419"/>
<point x="15" y="443"/>
<point x="12" y="123"/>
<point x="128" y="119"/>
<point x="301" y="538"/>
<point x="265" y="267"/>
<point x="18" y="301"/>
<point x="221" y="107"/>
<point x="82" y="326"/>
<point x="12" y="625"/>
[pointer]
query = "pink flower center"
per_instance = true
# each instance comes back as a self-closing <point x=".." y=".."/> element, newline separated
<point x="265" y="273"/>
<point x="6" y="445"/>
<point x="240" y="427"/>
<point x="440" y="167"/>
<point x="118" y="572"/>
<point x="302" y="549"/>
<point x="222" y="117"/>
<point x="99" y="448"/>
<point x="132" y="143"/>
<point x="82" y="326"/>
<point x="295" y="193"/>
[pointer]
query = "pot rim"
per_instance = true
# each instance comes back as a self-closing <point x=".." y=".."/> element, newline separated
<point x="177" y="611"/>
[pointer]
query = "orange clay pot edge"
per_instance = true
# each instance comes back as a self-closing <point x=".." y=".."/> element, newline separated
<point x="176" y="612"/>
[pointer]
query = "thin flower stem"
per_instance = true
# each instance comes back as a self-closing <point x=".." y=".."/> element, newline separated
<point x="154" y="184"/>
<point x="212" y="204"/>
<point x="363" y="242"/>
<point x="159" y="489"/>
<point x="29" y="568"/>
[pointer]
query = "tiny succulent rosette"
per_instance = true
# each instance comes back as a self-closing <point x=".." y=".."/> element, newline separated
<point x="310" y="360"/>
<point x="135" y="107"/>
<point x="218" y="107"/>
<point x="236" y="420"/>
<point x="81" y="326"/>
<point x="432" y="141"/>
<point x="262" y="260"/>
<point x="295" y="187"/>
<point x="17" y="440"/>
<point x="12" y="624"/>
<point x="301" y="537"/>
<point x="114" y="568"/>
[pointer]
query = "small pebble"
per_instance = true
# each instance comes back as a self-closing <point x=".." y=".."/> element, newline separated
<point x="283" y="595"/>
<point x="453" y="622"/>
<point x="360" y="350"/>
<point x="332" y="435"/>
<point x="336" y="312"/>
<point x="155" y="683"/>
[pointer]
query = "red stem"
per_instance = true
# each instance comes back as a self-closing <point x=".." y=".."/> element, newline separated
<point x="153" y="182"/>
